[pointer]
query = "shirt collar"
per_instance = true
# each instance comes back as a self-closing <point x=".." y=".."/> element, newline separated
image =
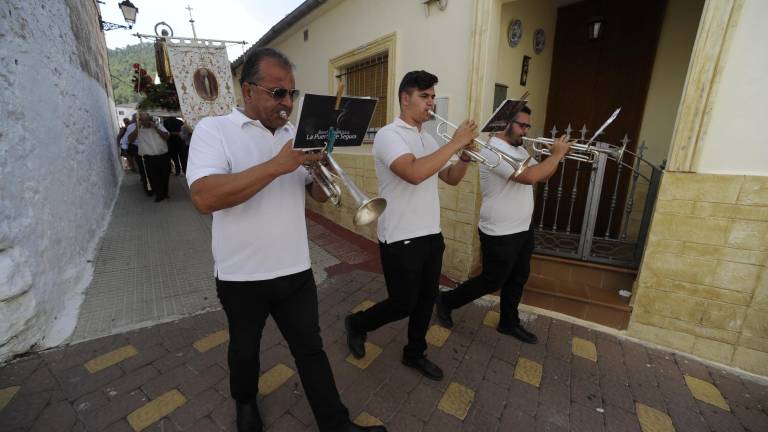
<point x="400" y="122"/>
<point x="239" y="117"/>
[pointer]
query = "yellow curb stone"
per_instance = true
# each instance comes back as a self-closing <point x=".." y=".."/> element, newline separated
<point x="6" y="395"/>
<point x="437" y="335"/>
<point x="528" y="371"/>
<point x="491" y="319"/>
<point x="211" y="341"/>
<point x="371" y="352"/>
<point x="365" y="419"/>
<point x="111" y="358"/>
<point x="363" y="306"/>
<point x="706" y="392"/>
<point x="456" y="400"/>
<point x="653" y="420"/>
<point x="584" y="349"/>
<point x="155" y="410"/>
<point x="274" y="378"/>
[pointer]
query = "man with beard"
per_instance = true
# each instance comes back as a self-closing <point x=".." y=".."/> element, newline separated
<point x="243" y="169"/>
<point x="506" y="237"/>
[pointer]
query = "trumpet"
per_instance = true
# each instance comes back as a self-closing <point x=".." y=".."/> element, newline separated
<point x="328" y="175"/>
<point x="368" y="209"/>
<point x="519" y="165"/>
<point x="580" y="151"/>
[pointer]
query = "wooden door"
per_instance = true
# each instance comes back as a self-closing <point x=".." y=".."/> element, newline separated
<point x="590" y="79"/>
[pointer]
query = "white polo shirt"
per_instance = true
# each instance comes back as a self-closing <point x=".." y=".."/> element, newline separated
<point x="507" y="205"/>
<point x="266" y="236"/>
<point x="150" y="143"/>
<point x="412" y="210"/>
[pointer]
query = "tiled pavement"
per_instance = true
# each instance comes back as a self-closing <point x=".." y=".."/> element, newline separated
<point x="173" y="376"/>
<point x="154" y="264"/>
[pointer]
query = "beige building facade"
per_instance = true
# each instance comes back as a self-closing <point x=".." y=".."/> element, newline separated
<point x="702" y="284"/>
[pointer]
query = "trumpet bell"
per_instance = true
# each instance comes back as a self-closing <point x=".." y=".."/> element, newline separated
<point x="369" y="211"/>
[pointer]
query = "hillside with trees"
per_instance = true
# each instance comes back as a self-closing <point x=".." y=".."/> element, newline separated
<point x="121" y="62"/>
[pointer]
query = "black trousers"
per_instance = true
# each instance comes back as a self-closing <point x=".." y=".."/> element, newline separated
<point x="133" y="151"/>
<point x="178" y="152"/>
<point x="158" y="170"/>
<point x="292" y="302"/>
<point x="506" y="267"/>
<point x="412" y="274"/>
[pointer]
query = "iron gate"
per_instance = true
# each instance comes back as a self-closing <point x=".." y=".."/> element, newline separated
<point x="597" y="211"/>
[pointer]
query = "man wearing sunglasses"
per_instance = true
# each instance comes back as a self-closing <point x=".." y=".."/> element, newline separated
<point x="506" y="237"/>
<point x="243" y="169"/>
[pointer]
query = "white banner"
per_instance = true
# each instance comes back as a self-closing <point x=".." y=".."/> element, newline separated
<point x="203" y="79"/>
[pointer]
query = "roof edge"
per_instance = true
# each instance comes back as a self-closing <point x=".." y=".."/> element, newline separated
<point x="278" y="29"/>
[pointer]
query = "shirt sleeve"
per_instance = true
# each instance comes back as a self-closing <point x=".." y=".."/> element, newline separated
<point x="503" y="169"/>
<point x="388" y="146"/>
<point x="206" y="153"/>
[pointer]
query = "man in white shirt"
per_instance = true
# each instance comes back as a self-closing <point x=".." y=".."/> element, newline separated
<point x="408" y="163"/>
<point x="153" y="151"/>
<point x="506" y="238"/>
<point x="243" y="169"/>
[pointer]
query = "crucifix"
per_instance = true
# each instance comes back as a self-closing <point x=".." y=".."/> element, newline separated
<point x="191" y="21"/>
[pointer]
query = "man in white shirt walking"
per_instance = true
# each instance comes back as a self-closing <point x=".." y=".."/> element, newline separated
<point x="506" y="238"/>
<point x="243" y="169"/>
<point x="153" y="151"/>
<point x="408" y="163"/>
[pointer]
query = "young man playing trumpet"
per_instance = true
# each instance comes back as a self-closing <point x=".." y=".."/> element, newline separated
<point x="506" y="238"/>
<point x="408" y="163"/>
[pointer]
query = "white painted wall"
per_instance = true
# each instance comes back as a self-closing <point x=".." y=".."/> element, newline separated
<point x="735" y="139"/>
<point x="438" y="43"/>
<point x="533" y="14"/>
<point x="58" y="166"/>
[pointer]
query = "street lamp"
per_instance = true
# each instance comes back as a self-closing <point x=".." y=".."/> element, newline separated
<point x="596" y="28"/>
<point x="129" y="15"/>
<point x="129" y="11"/>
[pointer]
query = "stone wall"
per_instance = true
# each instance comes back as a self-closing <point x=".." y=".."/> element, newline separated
<point x="703" y="285"/>
<point x="459" y="212"/>
<point x="58" y="164"/>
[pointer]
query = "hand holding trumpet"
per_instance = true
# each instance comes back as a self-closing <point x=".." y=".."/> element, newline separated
<point x="465" y="135"/>
<point x="560" y="147"/>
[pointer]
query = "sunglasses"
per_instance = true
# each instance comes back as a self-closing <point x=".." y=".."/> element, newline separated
<point x="521" y="124"/>
<point x="278" y="93"/>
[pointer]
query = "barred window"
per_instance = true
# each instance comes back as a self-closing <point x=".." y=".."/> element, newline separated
<point x="369" y="78"/>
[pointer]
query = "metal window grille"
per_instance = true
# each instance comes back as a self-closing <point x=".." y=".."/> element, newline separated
<point x="369" y="78"/>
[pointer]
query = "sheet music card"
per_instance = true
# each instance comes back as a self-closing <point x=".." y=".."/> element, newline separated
<point x="503" y="115"/>
<point x="317" y="116"/>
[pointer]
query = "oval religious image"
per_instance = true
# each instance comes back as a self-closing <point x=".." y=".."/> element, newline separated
<point x="206" y="84"/>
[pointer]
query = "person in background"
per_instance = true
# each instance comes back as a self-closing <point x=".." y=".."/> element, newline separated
<point x="153" y="149"/>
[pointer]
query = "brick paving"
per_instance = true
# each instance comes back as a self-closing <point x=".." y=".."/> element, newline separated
<point x="173" y="376"/>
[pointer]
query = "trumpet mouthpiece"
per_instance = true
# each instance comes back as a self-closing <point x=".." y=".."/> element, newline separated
<point x="284" y="115"/>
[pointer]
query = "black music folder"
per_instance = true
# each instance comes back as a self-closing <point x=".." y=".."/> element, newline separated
<point x="503" y="115"/>
<point x="347" y="125"/>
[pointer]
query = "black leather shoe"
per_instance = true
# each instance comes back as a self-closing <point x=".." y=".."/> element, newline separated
<point x="443" y="312"/>
<point x="519" y="332"/>
<point x="248" y="417"/>
<point x="355" y="339"/>
<point x="351" y="427"/>
<point x="425" y="367"/>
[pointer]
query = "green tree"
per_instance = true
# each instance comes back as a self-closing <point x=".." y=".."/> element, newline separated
<point x="121" y="62"/>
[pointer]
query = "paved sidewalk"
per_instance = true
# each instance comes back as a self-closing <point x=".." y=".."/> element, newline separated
<point x="154" y="263"/>
<point x="173" y="376"/>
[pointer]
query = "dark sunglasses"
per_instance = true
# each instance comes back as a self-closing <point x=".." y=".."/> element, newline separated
<point x="521" y="124"/>
<point x="278" y="93"/>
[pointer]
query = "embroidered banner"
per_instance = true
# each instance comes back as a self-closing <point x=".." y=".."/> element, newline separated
<point x="203" y="79"/>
